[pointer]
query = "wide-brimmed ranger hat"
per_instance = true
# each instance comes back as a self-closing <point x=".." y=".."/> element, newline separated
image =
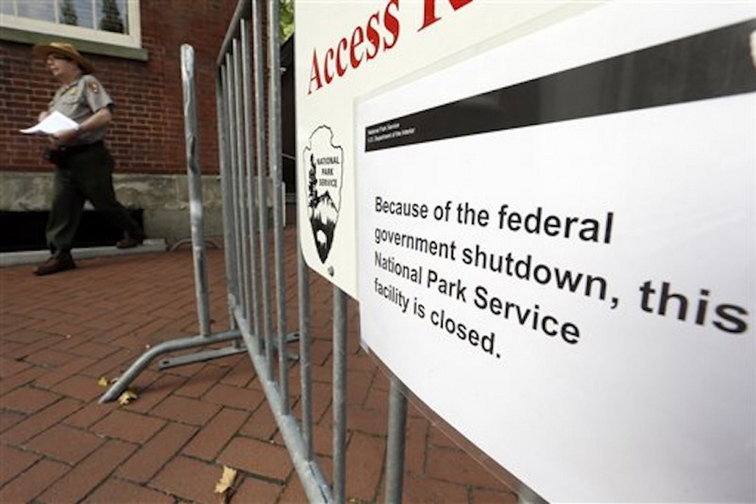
<point x="64" y="49"/>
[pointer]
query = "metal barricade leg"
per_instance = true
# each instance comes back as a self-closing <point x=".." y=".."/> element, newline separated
<point x="397" y="429"/>
<point x="147" y="357"/>
<point x="339" y="395"/>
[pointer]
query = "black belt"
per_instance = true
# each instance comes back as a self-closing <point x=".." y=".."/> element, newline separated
<point x="77" y="149"/>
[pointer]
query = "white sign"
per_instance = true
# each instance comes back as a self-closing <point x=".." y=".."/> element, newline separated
<point x="557" y="251"/>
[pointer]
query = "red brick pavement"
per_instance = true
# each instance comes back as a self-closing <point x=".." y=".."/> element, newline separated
<point x="60" y="334"/>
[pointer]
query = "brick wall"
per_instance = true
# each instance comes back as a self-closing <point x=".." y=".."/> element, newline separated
<point x="147" y="135"/>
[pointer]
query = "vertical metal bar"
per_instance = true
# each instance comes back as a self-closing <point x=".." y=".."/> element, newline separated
<point x="229" y="194"/>
<point x="241" y="169"/>
<point x="339" y="395"/>
<point x="223" y="155"/>
<point x="274" y="158"/>
<point x="238" y="212"/>
<point x="234" y="197"/>
<point x="397" y="431"/>
<point x="305" y="363"/>
<point x="232" y="158"/>
<point x="194" y="178"/>
<point x="234" y="140"/>
<point x="262" y="182"/>
<point x="250" y="163"/>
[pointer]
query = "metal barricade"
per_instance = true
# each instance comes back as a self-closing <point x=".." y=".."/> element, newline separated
<point x="250" y="142"/>
<point x="249" y="139"/>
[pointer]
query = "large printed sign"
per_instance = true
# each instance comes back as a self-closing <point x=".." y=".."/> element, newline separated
<point x="557" y="250"/>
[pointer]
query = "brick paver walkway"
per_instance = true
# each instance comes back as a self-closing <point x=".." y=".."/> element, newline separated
<point x="60" y="334"/>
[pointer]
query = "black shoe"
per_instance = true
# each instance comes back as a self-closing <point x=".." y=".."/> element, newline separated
<point x="129" y="241"/>
<point x="54" y="265"/>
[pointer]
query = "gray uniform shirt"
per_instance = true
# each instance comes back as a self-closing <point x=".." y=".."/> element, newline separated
<point x="79" y="100"/>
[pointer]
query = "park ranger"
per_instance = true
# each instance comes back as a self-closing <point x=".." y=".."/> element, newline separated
<point x="83" y="165"/>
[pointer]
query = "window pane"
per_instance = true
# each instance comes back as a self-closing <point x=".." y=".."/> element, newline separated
<point x="84" y="11"/>
<point x="6" y="7"/>
<point x="37" y="9"/>
<point x="125" y="14"/>
<point x="111" y="16"/>
<point x="68" y="14"/>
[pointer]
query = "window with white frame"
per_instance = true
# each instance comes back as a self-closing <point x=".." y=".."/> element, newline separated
<point x="106" y="21"/>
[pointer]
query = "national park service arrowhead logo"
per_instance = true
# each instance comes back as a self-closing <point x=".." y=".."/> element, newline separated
<point x="324" y="164"/>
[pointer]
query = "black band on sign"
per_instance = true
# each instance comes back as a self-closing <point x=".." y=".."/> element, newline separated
<point x="706" y="65"/>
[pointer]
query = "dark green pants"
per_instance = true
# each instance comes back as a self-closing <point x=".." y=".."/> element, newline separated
<point x="81" y="175"/>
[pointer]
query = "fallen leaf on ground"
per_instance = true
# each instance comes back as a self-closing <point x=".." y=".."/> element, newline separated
<point x="127" y="397"/>
<point x="224" y="486"/>
<point x="103" y="382"/>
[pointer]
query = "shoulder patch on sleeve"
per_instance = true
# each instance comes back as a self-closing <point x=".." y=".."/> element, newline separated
<point x="93" y="87"/>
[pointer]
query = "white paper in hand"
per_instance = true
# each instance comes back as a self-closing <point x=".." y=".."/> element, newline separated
<point x="51" y="124"/>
